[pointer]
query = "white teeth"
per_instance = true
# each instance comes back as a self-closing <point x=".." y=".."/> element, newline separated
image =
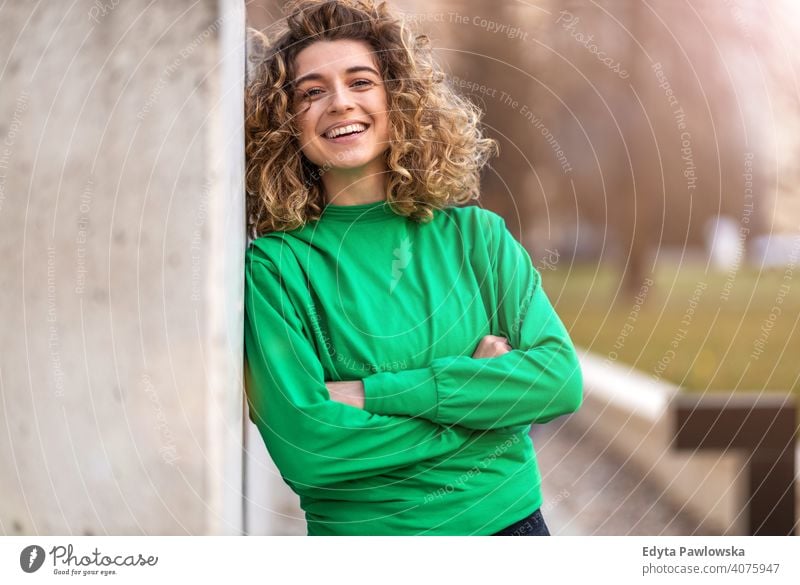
<point x="345" y="130"/>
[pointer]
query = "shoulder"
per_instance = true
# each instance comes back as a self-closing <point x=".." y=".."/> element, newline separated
<point x="267" y="249"/>
<point x="273" y="257"/>
<point x="477" y="221"/>
<point x="474" y="215"/>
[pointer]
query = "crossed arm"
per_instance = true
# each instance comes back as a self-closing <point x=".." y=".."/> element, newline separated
<point x="531" y="379"/>
<point x="352" y="392"/>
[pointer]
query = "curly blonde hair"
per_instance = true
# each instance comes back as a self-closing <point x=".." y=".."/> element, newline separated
<point x="436" y="146"/>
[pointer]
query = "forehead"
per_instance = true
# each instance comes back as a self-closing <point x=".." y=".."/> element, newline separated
<point x="332" y="57"/>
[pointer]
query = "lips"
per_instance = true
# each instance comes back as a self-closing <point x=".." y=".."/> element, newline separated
<point x="344" y="128"/>
<point x="347" y="138"/>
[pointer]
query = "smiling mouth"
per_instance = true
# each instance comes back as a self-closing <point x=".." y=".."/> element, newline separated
<point x="342" y="133"/>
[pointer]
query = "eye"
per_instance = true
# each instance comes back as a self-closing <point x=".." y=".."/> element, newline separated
<point x="312" y="93"/>
<point x="361" y="83"/>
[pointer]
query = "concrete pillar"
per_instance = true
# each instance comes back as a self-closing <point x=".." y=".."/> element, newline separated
<point x="122" y="241"/>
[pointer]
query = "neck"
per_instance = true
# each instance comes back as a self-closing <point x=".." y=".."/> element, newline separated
<point x="355" y="186"/>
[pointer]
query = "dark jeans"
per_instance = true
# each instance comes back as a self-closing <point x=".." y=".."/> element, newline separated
<point x="532" y="525"/>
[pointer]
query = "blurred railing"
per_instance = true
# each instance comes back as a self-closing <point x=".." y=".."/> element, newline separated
<point x="729" y="459"/>
<point x="761" y="425"/>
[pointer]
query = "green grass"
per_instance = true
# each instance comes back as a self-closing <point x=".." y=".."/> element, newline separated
<point x="719" y="350"/>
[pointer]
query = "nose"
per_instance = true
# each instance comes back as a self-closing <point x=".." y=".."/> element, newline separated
<point x="340" y="100"/>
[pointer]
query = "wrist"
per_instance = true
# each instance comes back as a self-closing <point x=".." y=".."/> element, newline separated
<point x="350" y="393"/>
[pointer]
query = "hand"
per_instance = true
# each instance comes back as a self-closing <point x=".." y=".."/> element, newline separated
<point x="491" y="346"/>
<point x="351" y="393"/>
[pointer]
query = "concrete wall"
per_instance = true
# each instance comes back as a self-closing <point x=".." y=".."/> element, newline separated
<point x="122" y="238"/>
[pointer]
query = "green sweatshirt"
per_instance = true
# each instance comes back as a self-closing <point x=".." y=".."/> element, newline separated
<point x="442" y="446"/>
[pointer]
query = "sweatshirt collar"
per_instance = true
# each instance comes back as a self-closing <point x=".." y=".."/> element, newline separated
<point x="362" y="213"/>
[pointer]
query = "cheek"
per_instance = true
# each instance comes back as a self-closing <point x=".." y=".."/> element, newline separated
<point x="305" y="122"/>
<point x="382" y="114"/>
<point x="385" y="126"/>
<point x="306" y="127"/>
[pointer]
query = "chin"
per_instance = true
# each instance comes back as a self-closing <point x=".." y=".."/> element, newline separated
<point x="349" y="163"/>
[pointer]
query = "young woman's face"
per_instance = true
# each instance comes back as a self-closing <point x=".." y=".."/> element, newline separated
<point x="341" y="104"/>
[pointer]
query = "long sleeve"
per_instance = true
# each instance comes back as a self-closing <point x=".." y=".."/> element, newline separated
<point x="539" y="380"/>
<point x="313" y="440"/>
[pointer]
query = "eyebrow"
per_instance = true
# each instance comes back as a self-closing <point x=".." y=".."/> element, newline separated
<point x="319" y="77"/>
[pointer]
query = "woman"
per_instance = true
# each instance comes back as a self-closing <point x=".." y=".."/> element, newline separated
<point x="398" y="347"/>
